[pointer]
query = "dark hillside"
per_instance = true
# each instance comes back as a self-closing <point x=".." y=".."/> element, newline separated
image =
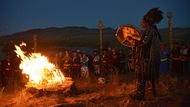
<point x="81" y="36"/>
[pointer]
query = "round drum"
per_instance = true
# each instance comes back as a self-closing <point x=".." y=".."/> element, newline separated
<point x="127" y="35"/>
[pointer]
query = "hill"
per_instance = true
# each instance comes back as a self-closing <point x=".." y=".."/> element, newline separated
<point x="81" y="36"/>
<point x="67" y="36"/>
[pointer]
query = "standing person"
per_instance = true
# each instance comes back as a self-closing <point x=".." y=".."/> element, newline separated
<point x="90" y="63"/>
<point x="75" y="65"/>
<point x="175" y="60"/>
<point x="7" y="72"/>
<point x="115" y="60"/>
<point x="148" y="49"/>
<point x="105" y="64"/>
<point x="184" y="58"/>
<point x="96" y="62"/>
<point x="84" y="66"/>
<point x="58" y="60"/>
<point x="188" y="52"/>
<point x="114" y="65"/>
<point x="164" y="59"/>
<point x="67" y="64"/>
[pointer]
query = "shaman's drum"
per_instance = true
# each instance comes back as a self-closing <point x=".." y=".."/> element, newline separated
<point x="127" y="35"/>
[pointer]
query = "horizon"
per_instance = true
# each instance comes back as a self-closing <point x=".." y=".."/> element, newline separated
<point x="82" y="27"/>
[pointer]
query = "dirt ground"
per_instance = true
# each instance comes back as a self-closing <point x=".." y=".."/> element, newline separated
<point x="173" y="91"/>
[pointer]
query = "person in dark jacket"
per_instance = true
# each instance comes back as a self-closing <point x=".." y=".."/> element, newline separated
<point x="148" y="49"/>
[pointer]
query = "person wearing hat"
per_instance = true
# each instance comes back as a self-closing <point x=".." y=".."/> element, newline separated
<point x="148" y="49"/>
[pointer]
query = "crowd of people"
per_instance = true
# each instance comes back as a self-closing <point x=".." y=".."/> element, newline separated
<point x="73" y="63"/>
<point x="78" y="63"/>
<point x="175" y="60"/>
<point x="82" y="64"/>
<point x="180" y="57"/>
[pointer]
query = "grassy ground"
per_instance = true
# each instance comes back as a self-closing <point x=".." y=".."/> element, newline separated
<point x="173" y="91"/>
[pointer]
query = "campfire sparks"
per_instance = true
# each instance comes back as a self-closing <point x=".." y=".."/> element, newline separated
<point x="41" y="73"/>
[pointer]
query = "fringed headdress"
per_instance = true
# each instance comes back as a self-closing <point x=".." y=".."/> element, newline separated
<point x="153" y="16"/>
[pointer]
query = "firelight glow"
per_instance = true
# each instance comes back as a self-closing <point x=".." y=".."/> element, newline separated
<point x="41" y="73"/>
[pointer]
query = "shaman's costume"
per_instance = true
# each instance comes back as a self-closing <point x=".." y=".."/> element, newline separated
<point x="145" y="49"/>
<point x="148" y="49"/>
<point x="148" y="60"/>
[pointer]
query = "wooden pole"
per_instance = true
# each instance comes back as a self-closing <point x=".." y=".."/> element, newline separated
<point x="35" y="42"/>
<point x="100" y="26"/>
<point x="170" y="36"/>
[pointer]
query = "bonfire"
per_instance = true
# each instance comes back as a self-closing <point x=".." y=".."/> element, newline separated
<point x="40" y="72"/>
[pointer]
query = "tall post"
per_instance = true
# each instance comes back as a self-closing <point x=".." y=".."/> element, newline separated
<point x="170" y="36"/>
<point x="35" y="43"/>
<point x="100" y="26"/>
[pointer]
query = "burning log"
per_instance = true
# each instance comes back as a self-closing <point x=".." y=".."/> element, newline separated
<point x="63" y="89"/>
<point x="43" y="76"/>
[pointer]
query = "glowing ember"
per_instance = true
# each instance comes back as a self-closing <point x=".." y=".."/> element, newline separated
<point x="41" y="73"/>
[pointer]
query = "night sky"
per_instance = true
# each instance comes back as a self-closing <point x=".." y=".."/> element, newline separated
<point x="21" y="15"/>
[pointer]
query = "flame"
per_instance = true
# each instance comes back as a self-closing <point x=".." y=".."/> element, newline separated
<point x="23" y="44"/>
<point x="41" y="73"/>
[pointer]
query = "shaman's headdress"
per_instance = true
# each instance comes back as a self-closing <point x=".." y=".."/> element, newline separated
<point x="153" y="16"/>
